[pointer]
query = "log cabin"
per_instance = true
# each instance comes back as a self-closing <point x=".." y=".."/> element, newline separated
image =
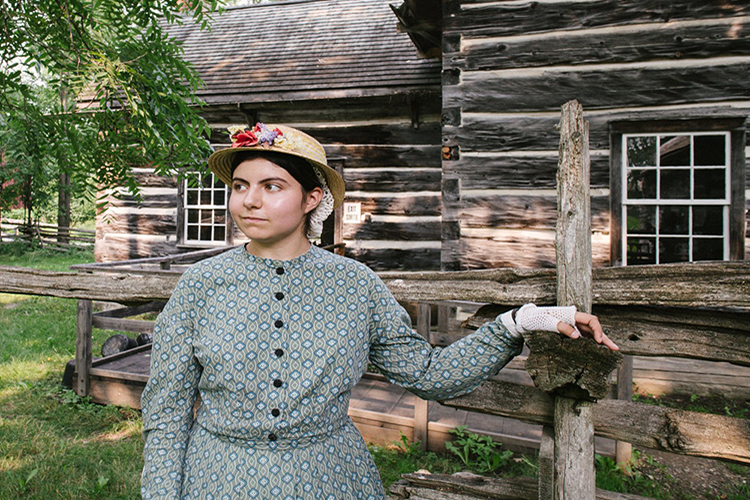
<point x="442" y="116"/>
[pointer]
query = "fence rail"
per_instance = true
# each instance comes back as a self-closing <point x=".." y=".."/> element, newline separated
<point x="48" y="235"/>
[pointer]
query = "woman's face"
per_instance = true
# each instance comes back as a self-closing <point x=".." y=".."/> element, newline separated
<point x="269" y="205"/>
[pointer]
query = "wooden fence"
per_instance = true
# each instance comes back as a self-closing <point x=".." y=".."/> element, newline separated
<point x="48" y="235"/>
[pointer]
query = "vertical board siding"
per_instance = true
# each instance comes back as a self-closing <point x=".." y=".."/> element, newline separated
<point x="509" y="66"/>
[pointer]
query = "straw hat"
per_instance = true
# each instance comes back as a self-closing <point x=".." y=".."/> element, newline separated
<point x="279" y="139"/>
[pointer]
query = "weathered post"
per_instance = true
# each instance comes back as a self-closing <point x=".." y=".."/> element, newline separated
<point x="575" y="371"/>
<point x="83" y="346"/>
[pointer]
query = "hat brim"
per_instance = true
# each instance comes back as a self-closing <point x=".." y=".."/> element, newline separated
<point x="220" y="163"/>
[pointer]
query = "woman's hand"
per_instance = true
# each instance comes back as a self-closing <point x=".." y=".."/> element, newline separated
<point x="589" y="326"/>
<point x="565" y="320"/>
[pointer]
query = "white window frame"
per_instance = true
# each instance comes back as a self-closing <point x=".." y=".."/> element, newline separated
<point x="691" y="201"/>
<point x="187" y="207"/>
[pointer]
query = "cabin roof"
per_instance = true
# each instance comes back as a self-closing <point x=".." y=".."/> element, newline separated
<point x="304" y="49"/>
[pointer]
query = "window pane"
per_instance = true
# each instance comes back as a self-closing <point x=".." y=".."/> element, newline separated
<point x="642" y="184"/>
<point x="674" y="220"/>
<point x="641" y="219"/>
<point x="207" y="180"/>
<point x="641" y="251"/>
<point x="205" y="233"/>
<point x="192" y="197"/>
<point x="192" y="232"/>
<point x="708" y="249"/>
<point x="207" y="216"/>
<point x="675" y="151"/>
<point x="709" y="184"/>
<point x="219" y="197"/>
<point x="708" y="220"/>
<point x="192" y="216"/>
<point x="673" y="250"/>
<point x="641" y="151"/>
<point x="205" y="197"/>
<point x="675" y="184"/>
<point x="219" y="233"/>
<point x="220" y="217"/>
<point x="710" y="149"/>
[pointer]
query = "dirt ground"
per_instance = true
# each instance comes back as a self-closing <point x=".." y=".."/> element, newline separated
<point x="692" y="478"/>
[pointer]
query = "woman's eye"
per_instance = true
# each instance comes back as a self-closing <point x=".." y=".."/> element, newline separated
<point x="238" y="187"/>
<point x="273" y="187"/>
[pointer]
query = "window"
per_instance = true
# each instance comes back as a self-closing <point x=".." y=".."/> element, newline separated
<point x="204" y="199"/>
<point x="675" y="196"/>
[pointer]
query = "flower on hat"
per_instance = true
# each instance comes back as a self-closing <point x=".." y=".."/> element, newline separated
<point x="260" y="134"/>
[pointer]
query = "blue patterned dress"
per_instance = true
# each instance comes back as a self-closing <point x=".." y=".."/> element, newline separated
<point x="274" y="348"/>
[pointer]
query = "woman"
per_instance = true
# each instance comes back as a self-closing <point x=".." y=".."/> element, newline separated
<point x="273" y="336"/>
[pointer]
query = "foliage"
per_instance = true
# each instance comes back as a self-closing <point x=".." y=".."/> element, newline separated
<point x="403" y="457"/>
<point x="611" y="478"/>
<point x="479" y="453"/>
<point x="92" y="88"/>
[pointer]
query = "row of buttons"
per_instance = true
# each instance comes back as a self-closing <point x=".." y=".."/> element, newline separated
<point x="279" y="353"/>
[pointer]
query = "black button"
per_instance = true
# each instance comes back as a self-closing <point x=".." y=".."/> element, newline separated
<point x="279" y="352"/>
<point x="278" y="323"/>
<point x="279" y="295"/>
<point x="277" y="383"/>
<point x="272" y="437"/>
<point x="279" y="270"/>
<point x="275" y="412"/>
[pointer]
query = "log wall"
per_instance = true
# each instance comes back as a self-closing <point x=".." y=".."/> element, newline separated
<point x="389" y="147"/>
<point x="509" y="66"/>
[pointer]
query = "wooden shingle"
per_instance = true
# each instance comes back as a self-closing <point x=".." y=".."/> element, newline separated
<point x="304" y="49"/>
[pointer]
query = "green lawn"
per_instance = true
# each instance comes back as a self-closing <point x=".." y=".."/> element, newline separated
<point x="54" y="445"/>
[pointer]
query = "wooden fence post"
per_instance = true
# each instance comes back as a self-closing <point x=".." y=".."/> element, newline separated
<point x="421" y="417"/>
<point x="84" y="346"/>
<point x="574" y="371"/>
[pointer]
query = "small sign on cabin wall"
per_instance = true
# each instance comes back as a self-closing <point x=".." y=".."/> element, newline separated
<point x="352" y="213"/>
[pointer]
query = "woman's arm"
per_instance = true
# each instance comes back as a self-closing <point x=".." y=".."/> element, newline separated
<point x="168" y="398"/>
<point x="407" y="359"/>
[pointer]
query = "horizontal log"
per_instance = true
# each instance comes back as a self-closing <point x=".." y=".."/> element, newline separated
<point x="653" y="41"/>
<point x="392" y="180"/>
<point x="405" y="231"/>
<point x="522" y="212"/>
<point x="489" y="249"/>
<point x="386" y="156"/>
<point x="147" y="201"/>
<point x="649" y="426"/>
<point x="392" y="106"/>
<point x="121" y="246"/>
<point x="139" y="223"/>
<point x="652" y="331"/>
<point x="469" y="486"/>
<point x="396" y="258"/>
<point x="386" y="134"/>
<point x="151" y="179"/>
<point x="423" y="204"/>
<point x="500" y="133"/>
<point x="121" y="324"/>
<point x="124" y="312"/>
<point x="512" y="172"/>
<point x="705" y="284"/>
<point x="506" y="19"/>
<point x="598" y="88"/>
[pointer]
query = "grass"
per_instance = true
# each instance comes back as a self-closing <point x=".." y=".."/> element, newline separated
<point x="53" y="444"/>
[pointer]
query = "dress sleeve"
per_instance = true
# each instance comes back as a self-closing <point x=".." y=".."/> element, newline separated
<point x="168" y="398"/>
<point x="407" y="359"/>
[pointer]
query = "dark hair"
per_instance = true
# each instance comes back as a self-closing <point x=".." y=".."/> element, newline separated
<point x="299" y="168"/>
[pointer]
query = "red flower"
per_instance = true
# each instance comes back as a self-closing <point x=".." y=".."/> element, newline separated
<point x="244" y="138"/>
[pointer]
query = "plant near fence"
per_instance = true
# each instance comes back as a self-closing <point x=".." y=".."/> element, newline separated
<point x="478" y="453"/>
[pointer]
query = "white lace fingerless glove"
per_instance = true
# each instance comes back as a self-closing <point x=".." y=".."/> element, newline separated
<point x="531" y="318"/>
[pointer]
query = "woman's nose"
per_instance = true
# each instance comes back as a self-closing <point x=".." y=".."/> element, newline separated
<point x="252" y="198"/>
